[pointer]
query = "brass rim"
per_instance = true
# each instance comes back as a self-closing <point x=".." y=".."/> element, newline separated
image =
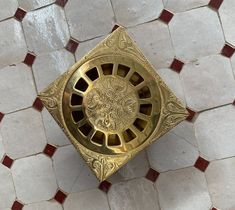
<point x="111" y="104"/>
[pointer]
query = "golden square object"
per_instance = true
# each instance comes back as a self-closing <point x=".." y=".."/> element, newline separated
<point x="112" y="104"/>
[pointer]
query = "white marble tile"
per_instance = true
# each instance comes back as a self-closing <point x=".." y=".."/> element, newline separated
<point x="183" y="5"/>
<point x="208" y="83"/>
<point x="215" y="131"/>
<point x="171" y="152"/>
<point x="23" y="133"/>
<point x="233" y="64"/>
<point x="172" y="79"/>
<point x="85" y="47"/>
<point x="20" y="92"/>
<point x="34" y="179"/>
<point x="186" y="131"/>
<point x="68" y="165"/>
<point x="89" y="200"/>
<point x="53" y="132"/>
<point x="191" y="33"/>
<point x="88" y="19"/>
<point x="133" y="12"/>
<point x="7" y="8"/>
<point x="34" y="4"/>
<point x="2" y="149"/>
<point x="137" y="167"/>
<point x="7" y="192"/>
<point x="227" y="15"/>
<point x="137" y="194"/>
<point x="184" y="189"/>
<point x="45" y="205"/>
<point x="47" y="67"/>
<point x="85" y="181"/>
<point x="220" y="177"/>
<point x="155" y="42"/>
<point x="47" y="37"/>
<point x="13" y="48"/>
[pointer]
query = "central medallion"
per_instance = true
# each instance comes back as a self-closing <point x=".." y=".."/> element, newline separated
<point x="111" y="104"/>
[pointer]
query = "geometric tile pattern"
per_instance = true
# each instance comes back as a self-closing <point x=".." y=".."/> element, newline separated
<point x="190" y="43"/>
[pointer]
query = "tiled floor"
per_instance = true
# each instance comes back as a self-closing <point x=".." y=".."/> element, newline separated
<point x="191" y="44"/>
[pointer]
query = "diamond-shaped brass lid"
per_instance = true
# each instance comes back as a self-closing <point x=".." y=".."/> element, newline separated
<point x="112" y="104"/>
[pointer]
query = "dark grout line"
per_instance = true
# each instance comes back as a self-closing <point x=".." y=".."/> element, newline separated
<point x="115" y="18"/>
<point x="216" y="107"/>
<point x="42" y="7"/>
<point x="7" y="19"/>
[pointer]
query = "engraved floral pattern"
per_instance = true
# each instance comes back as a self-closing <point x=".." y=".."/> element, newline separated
<point x="119" y="95"/>
<point x="111" y="105"/>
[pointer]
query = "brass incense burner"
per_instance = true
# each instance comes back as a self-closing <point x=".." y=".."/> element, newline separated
<point x="112" y="104"/>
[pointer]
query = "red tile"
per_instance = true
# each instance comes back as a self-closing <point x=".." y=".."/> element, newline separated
<point x="215" y="4"/>
<point x="166" y="16"/>
<point x="61" y="2"/>
<point x="177" y="65"/>
<point x="17" y="206"/>
<point x="152" y="175"/>
<point x="20" y="13"/>
<point x="49" y="150"/>
<point x="115" y="27"/>
<point x="38" y="105"/>
<point x="29" y="59"/>
<point x="201" y="164"/>
<point x="72" y="46"/>
<point x="1" y="116"/>
<point x="105" y="186"/>
<point x="214" y="208"/>
<point x="227" y="51"/>
<point x="7" y="161"/>
<point x="191" y="114"/>
<point x="60" y="197"/>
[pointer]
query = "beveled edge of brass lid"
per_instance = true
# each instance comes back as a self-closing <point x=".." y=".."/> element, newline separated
<point x="172" y="112"/>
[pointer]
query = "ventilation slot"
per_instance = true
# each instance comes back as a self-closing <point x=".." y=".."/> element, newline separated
<point x="146" y="109"/>
<point x="140" y="124"/>
<point x="113" y="140"/>
<point x="76" y="100"/>
<point x="136" y="79"/>
<point x="77" y="116"/>
<point x="122" y="70"/>
<point x="92" y="74"/>
<point x="81" y="85"/>
<point x="85" y="129"/>
<point x="128" y="135"/>
<point x="144" y="92"/>
<point x="98" y="138"/>
<point x="107" y="68"/>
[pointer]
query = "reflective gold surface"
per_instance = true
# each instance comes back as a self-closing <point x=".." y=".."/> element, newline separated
<point x="112" y="104"/>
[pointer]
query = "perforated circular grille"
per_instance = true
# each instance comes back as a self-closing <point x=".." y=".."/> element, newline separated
<point x="111" y="104"/>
